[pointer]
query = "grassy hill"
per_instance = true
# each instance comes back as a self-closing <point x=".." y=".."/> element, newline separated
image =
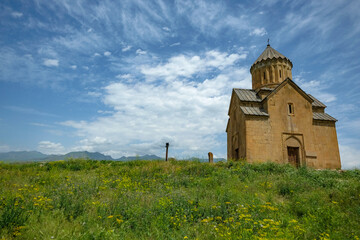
<point x="84" y="199"/>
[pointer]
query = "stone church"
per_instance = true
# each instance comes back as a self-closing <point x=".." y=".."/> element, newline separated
<point x="277" y="121"/>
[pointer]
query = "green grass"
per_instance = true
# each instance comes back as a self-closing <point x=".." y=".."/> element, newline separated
<point x="84" y="199"/>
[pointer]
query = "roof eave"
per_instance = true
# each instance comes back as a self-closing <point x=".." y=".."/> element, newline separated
<point x="267" y="59"/>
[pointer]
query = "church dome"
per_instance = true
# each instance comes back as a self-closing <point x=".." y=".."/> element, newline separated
<point x="270" y="69"/>
<point x="270" y="53"/>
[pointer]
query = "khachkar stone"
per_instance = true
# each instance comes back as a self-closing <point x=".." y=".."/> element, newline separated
<point x="277" y="121"/>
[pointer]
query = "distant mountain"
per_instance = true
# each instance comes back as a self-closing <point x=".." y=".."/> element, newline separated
<point x="145" y="157"/>
<point x="31" y="156"/>
<point x="22" y="156"/>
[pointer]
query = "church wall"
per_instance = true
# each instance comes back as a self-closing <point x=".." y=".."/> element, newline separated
<point x="327" y="147"/>
<point x="267" y="139"/>
<point x="258" y="139"/>
<point x="236" y="131"/>
<point x="284" y="125"/>
<point x="242" y="135"/>
<point x="228" y="135"/>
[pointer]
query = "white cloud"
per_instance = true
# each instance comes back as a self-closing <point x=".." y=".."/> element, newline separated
<point x="48" y="147"/>
<point x="73" y="67"/>
<point x="258" y="32"/>
<point x="349" y="157"/>
<point x="166" y="29"/>
<point x="96" y="54"/>
<point x="107" y="53"/>
<point x="175" y="44"/>
<point x="105" y="112"/>
<point x="186" y="66"/>
<point x="124" y="76"/>
<point x="127" y="77"/>
<point x="17" y="14"/>
<point x="51" y="62"/>
<point x="125" y="49"/>
<point x="191" y="115"/>
<point x="140" y="52"/>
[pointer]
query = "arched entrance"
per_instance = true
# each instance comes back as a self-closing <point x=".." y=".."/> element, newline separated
<point x="293" y="156"/>
<point x="293" y="151"/>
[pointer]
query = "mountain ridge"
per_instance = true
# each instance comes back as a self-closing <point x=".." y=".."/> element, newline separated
<point x="33" y="156"/>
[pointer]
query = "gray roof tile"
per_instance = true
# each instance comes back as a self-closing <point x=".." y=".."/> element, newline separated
<point x="323" y="116"/>
<point x="316" y="102"/>
<point x="255" y="111"/>
<point x="269" y="53"/>
<point x="247" y="95"/>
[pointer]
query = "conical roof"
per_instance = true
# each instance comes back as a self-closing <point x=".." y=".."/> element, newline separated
<point x="270" y="53"/>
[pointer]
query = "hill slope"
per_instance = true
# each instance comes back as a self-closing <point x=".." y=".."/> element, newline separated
<point x="83" y="199"/>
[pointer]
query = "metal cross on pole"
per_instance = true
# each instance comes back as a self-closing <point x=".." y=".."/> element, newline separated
<point x="167" y="149"/>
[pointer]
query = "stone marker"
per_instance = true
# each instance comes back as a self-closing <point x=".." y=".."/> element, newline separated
<point x="211" y="157"/>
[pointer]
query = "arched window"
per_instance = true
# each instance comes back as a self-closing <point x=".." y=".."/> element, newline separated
<point x="290" y="109"/>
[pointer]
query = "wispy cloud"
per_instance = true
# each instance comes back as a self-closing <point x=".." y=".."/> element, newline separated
<point x="29" y="111"/>
<point x="124" y="76"/>
<point x="28" y="69"/>
<point x="40" y="125"/>
<point x="140" y="52"/>
<point x="166" y="29"/>
<point x="316" y="88"/>
<point x="175" y="44"/>
<point x="258" y="32"/>
<point x="17" y="14"/>
<point x="125" y="49"/>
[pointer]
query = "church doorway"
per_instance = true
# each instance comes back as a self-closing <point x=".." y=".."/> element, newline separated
<point x="237" y="154"/>
<point x="293" y="156"/>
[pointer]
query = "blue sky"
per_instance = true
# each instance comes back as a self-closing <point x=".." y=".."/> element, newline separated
<point x="124" y="77"/>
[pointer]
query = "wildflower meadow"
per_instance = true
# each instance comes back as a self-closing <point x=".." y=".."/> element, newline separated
<point x="85" y="199"/>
